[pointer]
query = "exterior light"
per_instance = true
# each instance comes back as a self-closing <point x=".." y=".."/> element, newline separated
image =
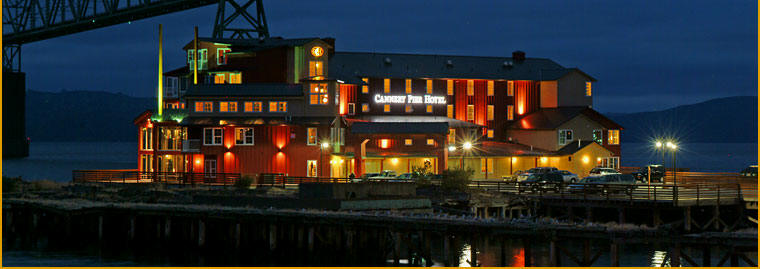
<point x="585" y="159"/>
<point x="669" y="144"/>
<point x="452" y="148"/>
<point x="317" y="51"/>
<point x="658" y="144"/>
<point x="673" y="146"/>
<point x="514" y="159"/>
<point x="325" y="145"/>
<point x="341" y="161"/>
<point x="197" y="161"/>
<point x="384" y="143"/>
<point x="394" y="160"/>
<point x="543" y="159"/>
<point x="467" y="145"/>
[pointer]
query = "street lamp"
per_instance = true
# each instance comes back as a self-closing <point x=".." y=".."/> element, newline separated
<point x="660" y="148"/>
<point x="322" y="147"/>
<point x="674" y="148"/>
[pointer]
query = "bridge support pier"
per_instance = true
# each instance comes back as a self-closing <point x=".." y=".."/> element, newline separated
<point x="589" y="214"/>
<point x="446" y="249"/>
<point x="614" y="254"/>
<point x="687" y="218"/>
<point x="621" y="215"/>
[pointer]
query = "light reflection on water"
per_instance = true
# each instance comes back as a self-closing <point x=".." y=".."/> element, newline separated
<point x="657" y="258"/>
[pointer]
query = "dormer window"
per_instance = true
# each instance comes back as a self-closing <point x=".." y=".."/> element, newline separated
<point x="316" y="69"/>
<point x="221" y="56"/>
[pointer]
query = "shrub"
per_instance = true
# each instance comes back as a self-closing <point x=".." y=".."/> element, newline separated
<point x="40" y="185"/>
<point x="456" y="179"/>
<point x="244" y="183"/>
<point x="12" y="184"/>
<point x="422" y="175"/>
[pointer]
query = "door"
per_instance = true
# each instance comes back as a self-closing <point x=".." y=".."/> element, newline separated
<point x="210" y="168"/>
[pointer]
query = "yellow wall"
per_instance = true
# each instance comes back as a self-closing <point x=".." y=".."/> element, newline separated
<point x="400" y="165"/>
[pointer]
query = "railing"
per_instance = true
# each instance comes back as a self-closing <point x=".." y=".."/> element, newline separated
<point x="134" y="176"/>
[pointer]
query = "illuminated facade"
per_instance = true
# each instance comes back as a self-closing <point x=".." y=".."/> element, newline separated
<point x="298" y="107"/>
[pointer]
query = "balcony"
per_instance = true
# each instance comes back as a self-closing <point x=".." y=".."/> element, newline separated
<point x="191" y="145"/>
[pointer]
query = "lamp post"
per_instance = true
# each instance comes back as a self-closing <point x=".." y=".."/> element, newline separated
<point x="660" y="148"/>
<point x="674" y="148"/>
<point x="324" y="145"/>
<point x="466" y="146"/>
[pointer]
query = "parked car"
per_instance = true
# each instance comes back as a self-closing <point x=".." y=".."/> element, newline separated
<point x="568" y="176"/>
<point x="385" y="175"/>
<point x="541" y="182"/>
<point x="405" y="177"/>
<point x="536" y="170"/>
<point x="750" y="171"/>
<point x="369" y="175"/>
<point x="600" y="171"/>
<point x="612" y="183"/>
<point x="657" y="171"/>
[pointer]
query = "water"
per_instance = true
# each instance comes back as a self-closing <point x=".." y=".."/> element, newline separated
<point x="55" y="160"/>
<point x="701" y="157"/>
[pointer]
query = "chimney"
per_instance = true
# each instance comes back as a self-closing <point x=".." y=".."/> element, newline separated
<point x="518" y="56"/>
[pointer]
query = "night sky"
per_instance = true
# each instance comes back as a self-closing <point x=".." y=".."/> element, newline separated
<point x="647" y="55"/>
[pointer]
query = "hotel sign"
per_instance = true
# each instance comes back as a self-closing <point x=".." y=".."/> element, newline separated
<point x="410" y="99"/>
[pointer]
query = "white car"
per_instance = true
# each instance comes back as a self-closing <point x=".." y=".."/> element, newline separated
<point x="568" y="176"/>
<point x="600" y="171"/>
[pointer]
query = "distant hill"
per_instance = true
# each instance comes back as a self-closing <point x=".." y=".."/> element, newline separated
<point x="730" y="119"/>
<point x="83" y="116"/>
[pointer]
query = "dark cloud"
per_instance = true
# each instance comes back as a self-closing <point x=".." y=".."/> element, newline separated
<point x="645" y="54"/>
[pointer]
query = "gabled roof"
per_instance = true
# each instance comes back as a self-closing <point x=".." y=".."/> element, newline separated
<point x="244" y="90"/>
<point x="555" y="74"/>
<point x="573" y="147"/>
<point x="362" y="127"/>
<point x="553" y="118"/>
<point x="255" y="44"/>
<point x="347" y="65"/>
<point x="495" y="148"/>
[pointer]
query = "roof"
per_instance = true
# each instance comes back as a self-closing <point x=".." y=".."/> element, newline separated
<point x="273" y="120"/>
<point x="244" y="90"/>
<point x="555" y="74"/>
<point x="553" y="118"/>
<point x="347" y="65"/>
<point x="415" y="152"/>
<point x="494" y="148"/>
<point x="256" y="44"/>
<point x="451" y="123"/>
<point x="362" y="127"/>
<point x="178" y="72"/>
<point x="573" y="147"/>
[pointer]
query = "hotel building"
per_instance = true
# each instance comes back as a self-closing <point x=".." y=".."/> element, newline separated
<point x="300" y="108"/>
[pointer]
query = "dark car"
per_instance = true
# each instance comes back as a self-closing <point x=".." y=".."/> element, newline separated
<point x="750" y="171"/>
<point x="541" y="182"/>
<point x="657" y="172"/>
<point x="612" y="183"/>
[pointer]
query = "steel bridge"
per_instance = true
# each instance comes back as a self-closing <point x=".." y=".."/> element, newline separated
<point x="26" y="21"/>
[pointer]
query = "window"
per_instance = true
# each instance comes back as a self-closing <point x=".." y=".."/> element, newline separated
<point x="510" y="112"/>
<point x="408" y="142"/>
<point x="316" y="69"/>
<point x="318" y="94"/>
<point x="236" y="78"/>
<point x="243" y="136"/>
<point x="510" y="88"/>
<point x="387" y="85"/>
<point x="191" y="58"/>
<point x="597" y="136"/>
<point x="386" y="108"/>
<point x="490" y="88"/>
<point x="365" y="107"/>
<point x="146" y="163"/>
<point x="221" y="55"/>
<point x="452" y="136"/>
<point x="202" y="59"/>
<point x="408" y="86"/>
<point x="311" y="168"/>
<point x="257" y="106"/>
<point x="430" y="142"/>
<point x="408" y="108"/>
<point x="429" y="108"/>
<point x="212" y="136"/>
<point x="219" y="78"/>
<point x="470" y="112"/>
<point x="450" y="111"/>
<point x="489" y="133"/>
<point x="311" y="136"/>
<point x="248" y="106"/>
<point x="204" y="106"/>
<point x="385" y="143"/>
<point x="565" y="136"/>
<point x="278" y="106"/>
<point x="486" y="164"/>
<point x="147" y="139"/>
<point x="429" y="86"/>
<point x="449" y="87"/>
<point x="470" y="87"/>
<point x="365" y="88"/>
<point x="227" y="106"/>
<point x="489" y="112"/>
<point x="613" y="137"/>
<point x="351" y="108"/>
<point x="588" y="88"/>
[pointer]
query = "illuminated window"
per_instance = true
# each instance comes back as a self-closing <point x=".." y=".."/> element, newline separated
<point x="408" y="108"/>
<point x="613" y="137"/>
<point x="278" y="106"/>
<point x="430" y="142"/>
<point x="257" y="106"/>
<point x="408" y="142"/>
<point x="470" y="112"/>
<point x="147" y="139"/>
<point x="596" y="135"/>
<point x="351" y="108"/>
<point x="311" y="168"/>
<point x="510" y="112"/>
<point x="202" y="59"/>
<point x="365" y="88"/>
<point x="489" y="112"/>
<point x="489" y="133"/>
<point x="365" y="107"/>
<point x="588" y="88"/>
<point x="386" y="108"/>
<point x="219" y="78"/>
<point x="384" y="143"/>
<point x="227" y="106"/>
<point x="510" y="88"/>
<point x="450" y="111"/>
<point x="311" y="136"/>
<point x="318" y="94"/>
<point x="452" y="136"/>
<point x="486" y="164"/>
<point x="221" y="55"/>
<point x="243" y="136"/>
<point x="204" y="106"/>
<point x="429" y="86"/>
<point x="316" y="69"/>
<point x="449" y="87"/>
<point x="429" y="108"/>
<point x="470" y="88"/>
<point x="212" y="136"/>
<point x="408" y="86"/>
<point x="387" y="85"/>
<point x="565" y="136"/>
<point x="490" y="88"/>
<point x="248" y="107"/>
<point x="236" y="78"/>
